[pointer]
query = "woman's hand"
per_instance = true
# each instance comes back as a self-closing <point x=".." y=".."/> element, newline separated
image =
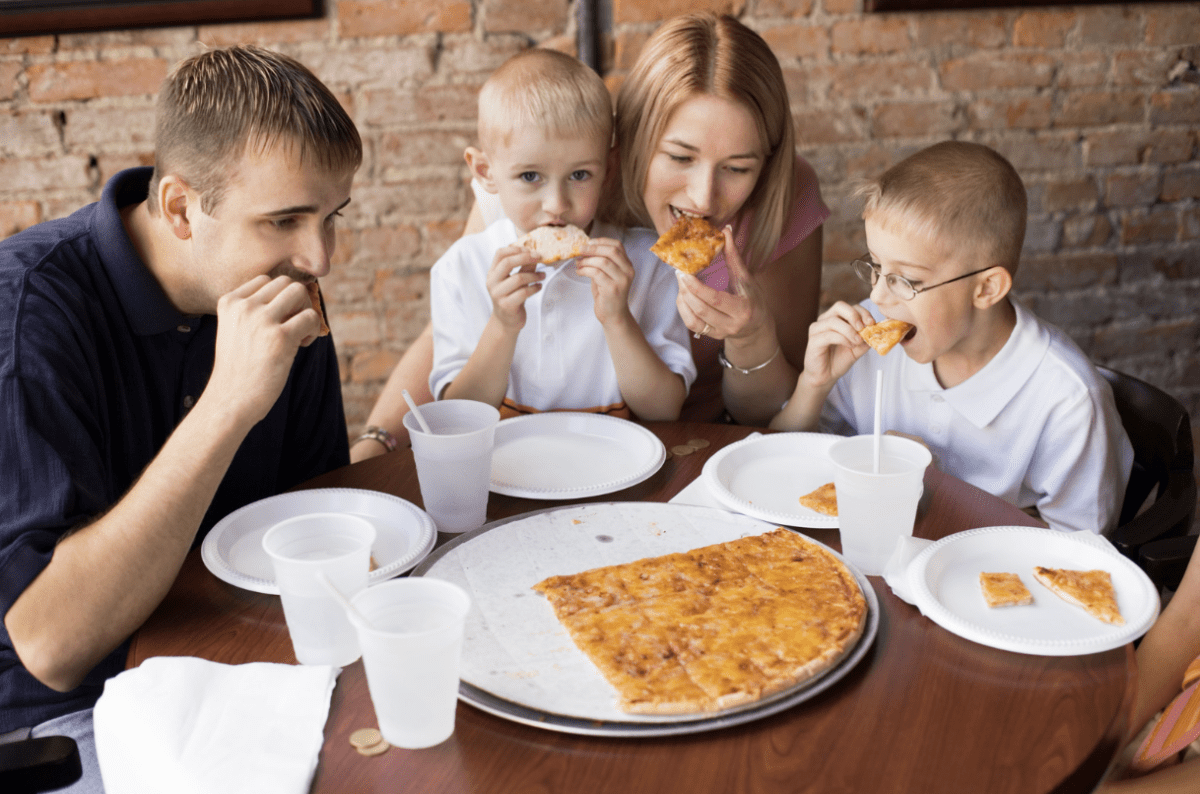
<point x="742" y="314"/>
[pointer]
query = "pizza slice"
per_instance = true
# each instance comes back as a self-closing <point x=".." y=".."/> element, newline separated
<point x="314" y="295"/>
<point x="690" y="245"/>
<point x="1004" y="590"/>
<point x="823" y="500"/>
<point x="885" y="335"/>
<point x="555" y="243"/>
<point x="1092" y="590"/>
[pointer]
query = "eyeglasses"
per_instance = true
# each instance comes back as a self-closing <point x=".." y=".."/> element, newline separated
<point x="901" y="287"/>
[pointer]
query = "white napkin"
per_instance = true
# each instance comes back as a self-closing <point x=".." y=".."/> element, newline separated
<point x="696" y="492"/>
<point x="899" y="566"/>
<point x="188" y="725"/>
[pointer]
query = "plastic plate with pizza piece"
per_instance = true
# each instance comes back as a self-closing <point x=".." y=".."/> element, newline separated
<point x="519" y="663"/>
<point x="232" y="550"/>
<point x="944" y="581"/>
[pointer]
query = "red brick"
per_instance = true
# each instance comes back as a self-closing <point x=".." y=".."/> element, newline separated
<point x="440" y="235"/>
<point x="842" y="6"/>
<point x="399" y="202"/>
<point x="1181" y="183"/>
<point x="407" y="149"/>
<point x="564" y="43"/>
<point x="838" y="282"/>
<point x="1131" y="189"/>
<point x="389" y="244"/>
<point x="871" y="35"/>
<point x="1043" y="29"/>
<point x="1161" y="338"/>
<point x="656" y="10"/>
<point x="1083" y="69"/>
<point x="108" y="165"/>
<point x="1086" y="231"/>
<point x="1189" y="224"/>
<point x="1070" y="194"/>
<point x="1155" y="226"/>
<point x="401" y="17"/>
<point x="784" y="8"/>
<point x="1175" y="107"/>
<point x="397" y="67"/>
<point x="469" y="55"/>
<point x="1139" y="67"/>
<point x="134" y="37"/>
<point x="372" y="365"/>
<point x="345" y="243"/>
<point x="613" y="83"/>
<point x="1101" y="108"/>
<point x="879" y="79"/>
<point x="986" y="31"/>
<point x="915" y="120"/>
<point x="1066" y="271"/>
<point x="28" y="45"/>
<point x="9" y="71"/>
<point x="282" y="32"/>
<point x="816" y="127"/>
<point x="986" y="71"/>
<point x="18" y="215"/>
<point x="1028" y="112"/>
<point x="521" y="16"/>
<point x="55" y="82"/>
<point x="1053" y="151"/>
<point x="91" y="128"/>
<point x="1169" y="25"/>
<point x="626" y="46"/>
<point x="798" y="41"/>
<point x="390" y="287"/>
<point x="1128" y="147"/>
<point x="57" y="173"/>
<point x="29" y="134"/>
<point x="352" y="328"/>
<point x="1109" y="25"/>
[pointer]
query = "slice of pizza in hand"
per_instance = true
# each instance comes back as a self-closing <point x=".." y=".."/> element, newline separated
<point x="690" y="245"/>
<point x="1092" y="590"/>
<point x="823" y="500"/>
<point x="314" y="295"/>
<point x="555" y="243"/>
<point x="1004" y="590"/>
<point x="885" y="335"/>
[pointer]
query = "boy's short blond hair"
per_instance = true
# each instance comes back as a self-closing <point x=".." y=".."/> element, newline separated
<point x="545" y="90"/>
<point x="958" y="194"/>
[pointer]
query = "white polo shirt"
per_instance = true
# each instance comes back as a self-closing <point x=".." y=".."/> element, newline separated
<point x="1037" y="426"/>
<point x="562" y="360"/>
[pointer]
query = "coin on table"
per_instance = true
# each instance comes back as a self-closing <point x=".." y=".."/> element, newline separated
<point x="365" y="737"/>
<point x="682" y="449"/>
<point x="697" y="443"/>
<point x="377" y="749"/>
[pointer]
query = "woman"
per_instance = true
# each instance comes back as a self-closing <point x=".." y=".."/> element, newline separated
<point x="704" y="128"/>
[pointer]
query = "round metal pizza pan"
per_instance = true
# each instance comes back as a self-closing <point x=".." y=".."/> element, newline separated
<point x="565" y="723"/>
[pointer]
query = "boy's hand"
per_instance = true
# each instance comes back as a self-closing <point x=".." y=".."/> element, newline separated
<point x="510" y="281"/>
<point x="834" y="344"/>
<point x="604" y="261"/>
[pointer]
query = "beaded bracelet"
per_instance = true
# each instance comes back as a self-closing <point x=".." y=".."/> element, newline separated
<point x="728" y="365"/>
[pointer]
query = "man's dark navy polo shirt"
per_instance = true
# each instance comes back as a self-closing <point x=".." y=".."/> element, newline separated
<point x="96" y="370"/>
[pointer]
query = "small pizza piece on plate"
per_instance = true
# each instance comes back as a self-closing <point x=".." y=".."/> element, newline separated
<point x="555" y="243"/>
<point x="690" y="245"/>
<point x="885" y="335"/>
<point x="1092" y="590"/>
<point x="314" y="295"/>
<point x="1004" y="590"/>
<point x="823" y="500"/>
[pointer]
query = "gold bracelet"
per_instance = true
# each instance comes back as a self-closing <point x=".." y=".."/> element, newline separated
<point x="745" y="371"/>
<point x="375" y="433"/>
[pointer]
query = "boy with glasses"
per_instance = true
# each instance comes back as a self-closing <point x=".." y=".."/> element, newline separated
<point x="1006" y="401"/>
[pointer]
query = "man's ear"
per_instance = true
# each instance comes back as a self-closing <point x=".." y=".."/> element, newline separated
<point x="175" y="201"/>
<point x="481" y="168"/>
<point x="993" y="285"/>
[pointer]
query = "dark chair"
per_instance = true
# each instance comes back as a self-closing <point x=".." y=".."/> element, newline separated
<point x="1158" y="427"/>
<point x="35" y="765"/>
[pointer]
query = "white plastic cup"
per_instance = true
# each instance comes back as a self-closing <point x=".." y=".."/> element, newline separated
<point x="454" y="464"/>
<point x="876" y="510"/>
<point x="411" y="654"/>
<point x="338" y="545"/>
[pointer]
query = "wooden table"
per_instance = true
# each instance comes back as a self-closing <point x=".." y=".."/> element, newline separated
<point x="925" y="711"/>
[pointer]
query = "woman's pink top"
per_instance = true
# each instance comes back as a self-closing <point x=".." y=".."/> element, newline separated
<point x="704" y="402"/>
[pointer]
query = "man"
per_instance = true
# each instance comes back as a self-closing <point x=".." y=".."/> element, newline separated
<point x="160" y="366"/>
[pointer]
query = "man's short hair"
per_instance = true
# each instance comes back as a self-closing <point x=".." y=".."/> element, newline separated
<point x="959" y="193"/>
<point x="545" y="90"/>
<point x="215" y="106"/>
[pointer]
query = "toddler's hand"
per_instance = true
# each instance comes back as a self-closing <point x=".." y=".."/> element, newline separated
<point x="510" y="281"/>
<point x="834" y="344"/>
<point x="604" y="261"/>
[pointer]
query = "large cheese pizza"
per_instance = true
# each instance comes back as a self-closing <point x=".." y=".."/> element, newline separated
<point x="712" y="628"/>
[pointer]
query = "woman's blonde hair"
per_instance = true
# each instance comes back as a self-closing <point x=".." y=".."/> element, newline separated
<point x="696" y="54"/>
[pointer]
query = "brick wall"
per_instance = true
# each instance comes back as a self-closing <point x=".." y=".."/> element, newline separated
<point x="1097" y="106"/>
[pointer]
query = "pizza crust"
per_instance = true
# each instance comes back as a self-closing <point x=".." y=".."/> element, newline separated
<point x="1004" y="590"/>
<point x="1091" y="590"/>
<point x="823" y="500"/>
<point x="883" y="336"/>
<point x="690" y="245"/>
<point x="314" y="296"/>
<point x="555" y="243"/>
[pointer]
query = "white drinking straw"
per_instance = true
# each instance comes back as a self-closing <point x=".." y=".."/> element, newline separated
<point x="878" y="415"/>
<point x="354" y="615"/>
<point x="412" y="406"/>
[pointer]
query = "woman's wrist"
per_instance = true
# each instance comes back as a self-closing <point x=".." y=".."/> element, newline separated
<point x="751" y="351"/>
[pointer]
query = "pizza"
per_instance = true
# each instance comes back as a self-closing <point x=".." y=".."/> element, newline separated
<point x="823" y="500"/>
<point x="690" y="245"/>
<point x="1004" y="590"/>
<point x="314" y="295"/>
<point x="885" y="335"/>
<point x="555" y="243"/>
<point x="715" y="627"/>
<point x="1092" y="590"/>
